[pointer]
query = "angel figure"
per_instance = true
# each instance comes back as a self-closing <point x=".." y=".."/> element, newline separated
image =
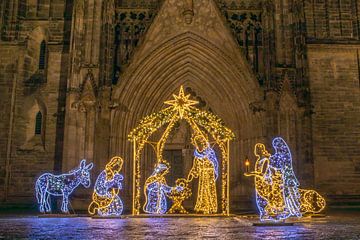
<point x="205" y="168"/>
<point x="278" y="195"/>
<point x="282" y="161"/>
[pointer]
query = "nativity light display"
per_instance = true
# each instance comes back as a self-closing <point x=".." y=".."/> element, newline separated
<point x="61" y="185"/>
<point x="105" y="199"/>
<point x="278" y="192"/>
<point x="278" y="195"/>
<point x="205" y="168"/>
<point x="282" y="161"/>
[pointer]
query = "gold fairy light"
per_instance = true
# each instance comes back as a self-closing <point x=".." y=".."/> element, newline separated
<point x="205" y="169"/>
<point x="268" y="186"/>
<point x="105" y="199"/>
<point x="272" y="193"/>
<point x="178" y="197"/>
<point x="311" y="201"/>
<point x="181" y="107"/>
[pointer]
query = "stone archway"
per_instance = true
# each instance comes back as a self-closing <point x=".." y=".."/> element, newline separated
<point x="194" y="63"/>
<point x="193" y="58"/>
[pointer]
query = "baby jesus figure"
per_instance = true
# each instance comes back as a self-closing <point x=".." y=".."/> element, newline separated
<point x="179" y="195"/>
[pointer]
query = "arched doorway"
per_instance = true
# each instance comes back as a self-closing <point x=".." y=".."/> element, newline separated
<point x="225" y="82"/>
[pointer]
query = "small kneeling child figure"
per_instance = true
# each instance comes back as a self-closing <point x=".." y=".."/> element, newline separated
<point x="106" y="201"/>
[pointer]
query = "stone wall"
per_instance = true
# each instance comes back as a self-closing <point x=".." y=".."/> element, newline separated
<point x="26" y="89"/>
<point x="8" y="67"/>
<point x="32" y="154"/>
<point x="329" y="19"/>
<point x="335" y="93"/>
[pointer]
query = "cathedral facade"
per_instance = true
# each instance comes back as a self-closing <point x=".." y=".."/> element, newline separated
<point x="77" y="76"/>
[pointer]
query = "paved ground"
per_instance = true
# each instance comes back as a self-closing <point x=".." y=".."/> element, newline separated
<point x="335" y="226"/>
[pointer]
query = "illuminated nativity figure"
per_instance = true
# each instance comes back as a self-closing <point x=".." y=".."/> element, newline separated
<point x="106" y="200"/>
<point x="179" y="195"/>
<point x="268" y="185"/>
<point x="205" y="168"/>
<point x="278" y="195"/>
<point x="156" y="190"/>
<point x="282" y="161"/>
<point x="61" y="185"/>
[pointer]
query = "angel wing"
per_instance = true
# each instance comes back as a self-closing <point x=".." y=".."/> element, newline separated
<point x="282" y="160"/>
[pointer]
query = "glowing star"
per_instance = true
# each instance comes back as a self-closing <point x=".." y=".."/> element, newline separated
<point x="278" y="195"/>
<point x="61" y="185"/>
<point x="181" y="102"/>
<point x="106" y="200"/>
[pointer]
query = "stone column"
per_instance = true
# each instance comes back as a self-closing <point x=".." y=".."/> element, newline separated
<point x="84" y="86"/>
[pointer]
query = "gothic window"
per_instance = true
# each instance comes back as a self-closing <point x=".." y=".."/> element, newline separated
<point x="42" y="57"/>
<point x="38" y="123"/>
<point x="247" y="28"/>
<point x="30" y="6"/>
<point x="131" y="24"/>
<point x="57" y="8"/>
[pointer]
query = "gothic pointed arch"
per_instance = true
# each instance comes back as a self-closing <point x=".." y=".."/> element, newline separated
<point x="35" y="131"/>
<point x="36" y="56"/>
<point x="42" y="55"/>
<point x="88" y="89"/>
<point x="202" y="55"/>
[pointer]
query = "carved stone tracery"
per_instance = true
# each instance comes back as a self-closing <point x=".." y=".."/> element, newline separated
<point x="246" y="20"/>
<point x="132" y="20"/>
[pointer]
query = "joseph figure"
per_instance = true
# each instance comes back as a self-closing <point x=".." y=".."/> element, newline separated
<point x="205" y="168"/>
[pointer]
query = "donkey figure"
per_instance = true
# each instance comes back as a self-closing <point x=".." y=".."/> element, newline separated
<point x="61" y="185"/>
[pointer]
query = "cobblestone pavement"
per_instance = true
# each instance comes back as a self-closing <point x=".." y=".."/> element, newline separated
<point x="345" y="226"/>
